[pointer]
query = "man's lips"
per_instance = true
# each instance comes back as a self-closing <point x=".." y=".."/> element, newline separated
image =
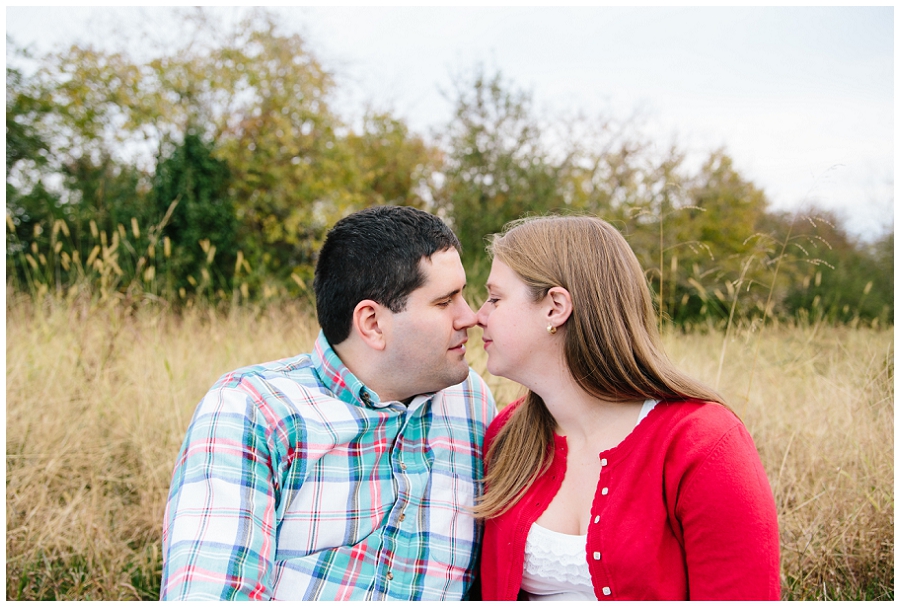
<point x="487" y="342"/>
<point x="460" y="347"/>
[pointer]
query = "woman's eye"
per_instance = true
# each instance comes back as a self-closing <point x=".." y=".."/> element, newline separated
<point x="493" y="300"/>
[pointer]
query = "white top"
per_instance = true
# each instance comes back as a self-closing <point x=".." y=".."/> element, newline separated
<point x="645" y="409"/>
<point x="556" y="567"/>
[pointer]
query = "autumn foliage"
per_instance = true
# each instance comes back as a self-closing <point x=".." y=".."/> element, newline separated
<point x="210" y="171"/>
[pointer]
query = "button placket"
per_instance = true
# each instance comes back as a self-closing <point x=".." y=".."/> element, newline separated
<point x="603" y="491"/>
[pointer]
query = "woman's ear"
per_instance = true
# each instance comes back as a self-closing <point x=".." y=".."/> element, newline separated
<point x="559" y="306"/>
<point x="368" y="316"/>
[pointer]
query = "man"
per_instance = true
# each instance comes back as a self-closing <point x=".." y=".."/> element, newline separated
<point x="345" y="473"/>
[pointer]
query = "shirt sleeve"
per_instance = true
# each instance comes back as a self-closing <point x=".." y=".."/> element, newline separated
<point x="730" y="525"/>
<point x="220" y="524"/>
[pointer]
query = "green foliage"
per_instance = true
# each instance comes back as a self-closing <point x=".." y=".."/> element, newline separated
<point x="213" y="170"/>
<point x="392" y="165"/>
<point x="696" y="236"/>
<point x="281" y="142"/>
<point x="497" y="168"/>
<point x="855" y="280"/>
<point x="202" y="225"/>
<point x="23" y="109"/>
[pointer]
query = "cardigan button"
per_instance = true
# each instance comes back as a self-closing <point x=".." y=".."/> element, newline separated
<point x="596" y="519"/>
<point x="596" y="556"/>
<point x="606" y="591"/>
<point x="603" y="462"/>
<point x="604" y="491"/>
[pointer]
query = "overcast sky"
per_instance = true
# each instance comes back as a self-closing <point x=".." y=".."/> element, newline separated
<point x="801" y="98"/>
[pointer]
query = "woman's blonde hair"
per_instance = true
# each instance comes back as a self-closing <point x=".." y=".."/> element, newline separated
<point x="612" y="347"/>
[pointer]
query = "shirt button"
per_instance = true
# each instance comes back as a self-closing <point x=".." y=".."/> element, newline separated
<point x="596" y="556"/>
<point x="606" y="591"/>
<point x="390" y="576"/>
<point x="402" y="516"/>
<point x="597" y="519"/>
<point x="402" y="466"/>
<point x="603" y="462"/>
<point x="604" y="491"/>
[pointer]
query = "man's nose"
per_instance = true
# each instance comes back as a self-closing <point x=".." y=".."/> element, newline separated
<point x="467" y="318"/>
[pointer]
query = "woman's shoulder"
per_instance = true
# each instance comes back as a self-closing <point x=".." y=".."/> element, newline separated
<point x="706" y="414"/>
<point x="698" y="426"/>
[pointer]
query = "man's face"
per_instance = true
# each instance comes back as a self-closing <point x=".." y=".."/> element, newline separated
<point x="426" y="346"/>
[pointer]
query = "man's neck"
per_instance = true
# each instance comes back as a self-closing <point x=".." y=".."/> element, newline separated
<point x="361" y="361"/>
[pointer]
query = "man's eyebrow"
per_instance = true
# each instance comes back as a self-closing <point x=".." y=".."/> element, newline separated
<point x="448" y="295"/>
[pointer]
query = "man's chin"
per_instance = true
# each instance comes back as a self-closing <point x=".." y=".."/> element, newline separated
<point x="453" y="379"/>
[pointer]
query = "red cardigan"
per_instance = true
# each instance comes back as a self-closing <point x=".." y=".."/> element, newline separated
<point x="682" y="510"/>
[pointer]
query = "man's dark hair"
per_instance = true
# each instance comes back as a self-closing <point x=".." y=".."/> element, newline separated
<point x="374" y="254"/>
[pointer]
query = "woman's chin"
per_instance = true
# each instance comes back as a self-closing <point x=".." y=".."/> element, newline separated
<point x="497" y="371"/>
<point x="492" y="369"/>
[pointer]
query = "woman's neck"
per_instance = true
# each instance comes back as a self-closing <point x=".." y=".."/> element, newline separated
<point x="585" y="419"/>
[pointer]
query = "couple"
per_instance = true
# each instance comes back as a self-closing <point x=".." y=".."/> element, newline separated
<point x="355" y="471"/>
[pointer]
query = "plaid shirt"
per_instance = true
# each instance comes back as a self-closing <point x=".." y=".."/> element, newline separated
<point x="296" y="482"/>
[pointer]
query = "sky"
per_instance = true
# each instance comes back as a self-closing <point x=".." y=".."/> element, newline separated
<point x="800" y="98"/>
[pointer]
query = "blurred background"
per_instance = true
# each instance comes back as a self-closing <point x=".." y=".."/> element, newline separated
<point x="171" y="174"/>
<point x="216" y="146"/>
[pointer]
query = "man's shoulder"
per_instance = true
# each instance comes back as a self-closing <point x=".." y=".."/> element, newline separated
<point x="278" y="388"/>
<point x="297" y="367"/>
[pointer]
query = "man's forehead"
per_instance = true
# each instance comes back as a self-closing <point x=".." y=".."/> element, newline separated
<point x="443" y="266"/>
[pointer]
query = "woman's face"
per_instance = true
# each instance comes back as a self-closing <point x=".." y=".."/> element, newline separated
<point x="514" y="326"/>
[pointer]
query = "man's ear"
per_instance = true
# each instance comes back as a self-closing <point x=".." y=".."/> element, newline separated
<point x="367" y="323"/>
<point x="559" y="306"/>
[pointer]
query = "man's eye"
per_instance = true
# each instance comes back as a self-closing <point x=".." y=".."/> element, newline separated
<point x="444" y="304"/>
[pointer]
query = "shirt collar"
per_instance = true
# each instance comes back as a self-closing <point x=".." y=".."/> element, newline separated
<point x="337" y="378"/>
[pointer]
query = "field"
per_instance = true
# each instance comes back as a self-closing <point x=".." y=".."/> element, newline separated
<point x="98" y="398"/>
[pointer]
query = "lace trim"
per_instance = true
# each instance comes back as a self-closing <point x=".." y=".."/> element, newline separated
<point x="556" y="556"/>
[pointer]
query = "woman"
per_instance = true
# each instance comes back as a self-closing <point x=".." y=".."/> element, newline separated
<point x="617" y="476"/>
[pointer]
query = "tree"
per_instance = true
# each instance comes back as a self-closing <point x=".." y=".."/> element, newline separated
<point x="497" y="168"/>
<point x="202" y="224"/>
<point x="851" y="281"/>
<point x="392" y="165"/>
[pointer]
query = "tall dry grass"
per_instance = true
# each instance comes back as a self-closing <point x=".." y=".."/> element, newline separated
<point x="98" y="398"/>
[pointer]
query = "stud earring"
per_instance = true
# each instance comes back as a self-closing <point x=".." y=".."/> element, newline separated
<point x="551" y="329"/>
